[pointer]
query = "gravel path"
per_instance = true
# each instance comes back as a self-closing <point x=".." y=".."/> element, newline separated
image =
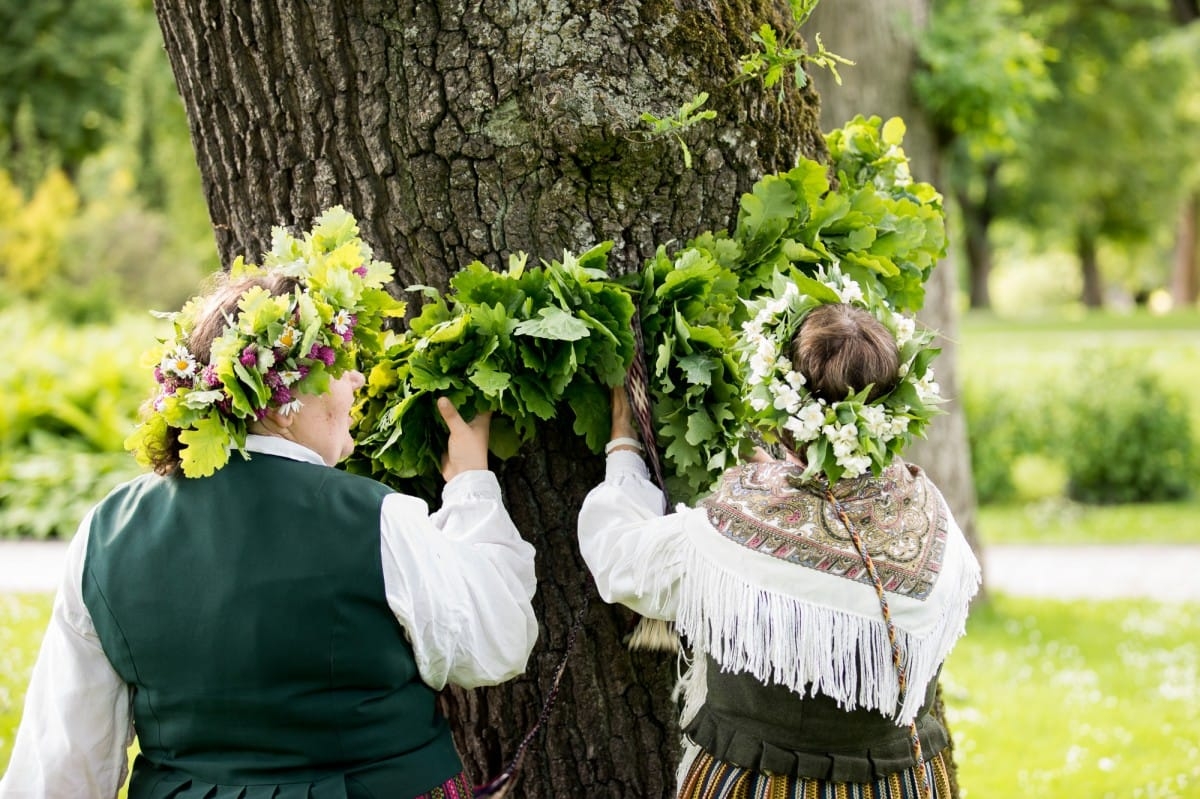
<point x="1169" y="573"/>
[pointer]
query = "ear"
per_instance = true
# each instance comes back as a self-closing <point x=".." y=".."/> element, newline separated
<point x="276" y="420"/>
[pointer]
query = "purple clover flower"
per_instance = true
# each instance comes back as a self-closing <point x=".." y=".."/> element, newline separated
<point x="249" y="356"/>
<point x="361" y="271"/>
<point x="322" y="353"/>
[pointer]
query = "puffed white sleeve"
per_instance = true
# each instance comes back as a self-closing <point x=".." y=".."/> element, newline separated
<point x="461" y="583"/>
<point x="634" y="551"/>
<point x="75" y="729"/>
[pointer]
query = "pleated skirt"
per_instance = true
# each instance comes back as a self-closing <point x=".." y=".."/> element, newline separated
<point x="709" y="778"/>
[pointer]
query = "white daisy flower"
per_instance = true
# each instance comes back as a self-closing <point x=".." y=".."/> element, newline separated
<point x="179" y="362"/>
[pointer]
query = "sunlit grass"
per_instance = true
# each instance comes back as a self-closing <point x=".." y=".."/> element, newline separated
<point x="1060" y="521"/>
<point x="1087" y="700"/>
<point x="23" y="620"/>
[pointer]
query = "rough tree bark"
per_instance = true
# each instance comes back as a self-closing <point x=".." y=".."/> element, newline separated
<point x="467" y="130"/>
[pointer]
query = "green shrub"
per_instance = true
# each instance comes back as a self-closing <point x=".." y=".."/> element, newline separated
<point x="1131" y="439"/>
<point x="1005" y="423"/>
<point x="46" y="491"/>
<point x="70" y="398"/>
<point x="990" y="433"/>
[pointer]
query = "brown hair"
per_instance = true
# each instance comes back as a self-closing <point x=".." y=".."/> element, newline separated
<point x="842" y="349"/>
<point x="220" y="303"/>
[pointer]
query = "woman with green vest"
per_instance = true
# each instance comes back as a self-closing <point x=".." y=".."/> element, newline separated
<point x="821" y="585"/>
<point x="265" y="624"/>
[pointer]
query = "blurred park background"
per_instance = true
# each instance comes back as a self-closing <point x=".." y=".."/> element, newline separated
<point x="1072" y="182"/>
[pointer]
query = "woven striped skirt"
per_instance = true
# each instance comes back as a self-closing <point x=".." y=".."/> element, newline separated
<point x="713" y="779"/>
<point x="457" y="788"/>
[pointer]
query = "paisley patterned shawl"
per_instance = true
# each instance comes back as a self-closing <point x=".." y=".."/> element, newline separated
<point x="900" y="516"/>
<point x="774" y="586"/>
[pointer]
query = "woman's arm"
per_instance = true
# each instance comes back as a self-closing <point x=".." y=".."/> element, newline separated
<point x="633" y="550"/>
<point x="461" y="581"/>
<point x="75" y="729"/>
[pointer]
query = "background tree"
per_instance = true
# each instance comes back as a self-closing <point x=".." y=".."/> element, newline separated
<point x="61" y="81"/>
<point x="983" y="67"/>
<point x="1103" y="160"/>
<point x="1185" y="272"/>
<point x="457" y="131"/>
<point x="881" y="38"/>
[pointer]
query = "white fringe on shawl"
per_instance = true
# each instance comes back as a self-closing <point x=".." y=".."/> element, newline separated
<point x="814" y="631"/>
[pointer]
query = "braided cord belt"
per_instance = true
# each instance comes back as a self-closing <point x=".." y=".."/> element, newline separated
<point x="637" y="386"/>
<point x="914" y="738"/>
<point x="498" y="787"/>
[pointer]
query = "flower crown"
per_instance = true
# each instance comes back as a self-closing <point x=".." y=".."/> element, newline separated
<point x="274" y="350"/>
<point x="851" y="436"/>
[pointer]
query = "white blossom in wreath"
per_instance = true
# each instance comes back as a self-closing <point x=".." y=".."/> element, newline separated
<point x="852" y="436"/>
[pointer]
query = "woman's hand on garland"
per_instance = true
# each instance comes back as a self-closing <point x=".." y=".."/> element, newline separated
<point x="624" y="436"/>
<point x="467" y="448"/>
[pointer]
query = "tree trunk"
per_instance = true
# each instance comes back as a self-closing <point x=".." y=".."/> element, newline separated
<point x="457" y="131"/>
<point x="878" y="36"/>
<point x="977" y="221"/>
<point x="1092" y="295"/>
<point x="1185" y="270"/>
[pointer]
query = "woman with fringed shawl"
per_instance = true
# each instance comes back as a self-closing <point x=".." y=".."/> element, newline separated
<point x="821" y="586"/>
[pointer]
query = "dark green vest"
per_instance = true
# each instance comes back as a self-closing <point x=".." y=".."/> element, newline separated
<point x="247" y="610"/>
<point x="772" y="728"/>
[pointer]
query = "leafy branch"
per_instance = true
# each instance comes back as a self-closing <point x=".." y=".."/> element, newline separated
<point x="687" y="116"/>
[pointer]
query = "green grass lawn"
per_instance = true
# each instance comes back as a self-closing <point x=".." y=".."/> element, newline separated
<point x="23" y="620"/>
<point x="1046" y="700"/>
<point x="1077" y="700"/>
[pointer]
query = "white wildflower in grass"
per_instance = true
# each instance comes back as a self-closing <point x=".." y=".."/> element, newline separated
<point x="759" y="403"/>
<point x="795" y="379"/>
<point x="179" y="362"/>
<point x="288" y="408"/>
<point x="905" y="327"/>
<point x="289" y="376"/>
